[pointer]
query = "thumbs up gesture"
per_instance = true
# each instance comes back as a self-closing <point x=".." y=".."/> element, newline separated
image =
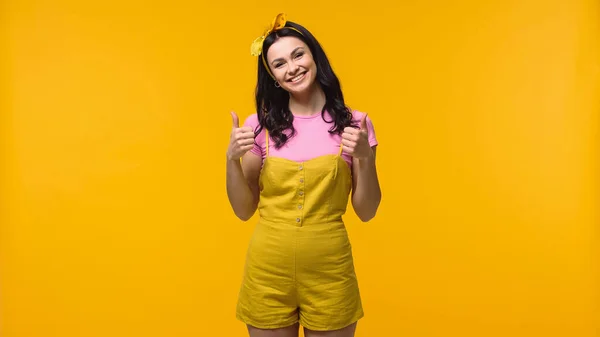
<point x="356" y="141"/>
<point x="241" y="139"/>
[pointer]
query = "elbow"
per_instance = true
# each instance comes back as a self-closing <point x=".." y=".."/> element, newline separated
<point x="244" y="216"/>
<point x="245" y="213"/>
<point x="243" y="209"/>
<point x="367" y="214"/>
<point x="366" y="217"/>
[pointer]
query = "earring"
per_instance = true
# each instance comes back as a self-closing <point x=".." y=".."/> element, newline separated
<point x="277" y="85"/>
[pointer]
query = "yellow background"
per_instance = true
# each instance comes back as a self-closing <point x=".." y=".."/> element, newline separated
<point x="115" y="121"/>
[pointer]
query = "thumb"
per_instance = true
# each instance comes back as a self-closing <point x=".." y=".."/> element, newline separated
<point x="235" y="119"/>
<point x="363" y="123"/>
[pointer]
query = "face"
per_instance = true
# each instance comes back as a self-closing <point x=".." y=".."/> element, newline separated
<point x="292" y="64"/>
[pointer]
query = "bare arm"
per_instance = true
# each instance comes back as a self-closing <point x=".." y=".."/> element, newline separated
<point x="243" y="168"/>
<point x="366" y="192"/>
<point x="242" y="184"/>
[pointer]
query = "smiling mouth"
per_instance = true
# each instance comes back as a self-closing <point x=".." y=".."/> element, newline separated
<point x="297" y="78"/>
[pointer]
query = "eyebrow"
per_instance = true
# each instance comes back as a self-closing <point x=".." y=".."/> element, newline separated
<point x="292" y="53"/>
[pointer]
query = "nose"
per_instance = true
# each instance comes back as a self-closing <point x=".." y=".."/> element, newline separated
<point x="292" y="69"/>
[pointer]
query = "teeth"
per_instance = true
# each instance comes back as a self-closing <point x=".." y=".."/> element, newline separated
<point x="297" y="78"/>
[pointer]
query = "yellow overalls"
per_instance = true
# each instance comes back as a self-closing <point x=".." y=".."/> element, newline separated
<point x="299" y="264"/>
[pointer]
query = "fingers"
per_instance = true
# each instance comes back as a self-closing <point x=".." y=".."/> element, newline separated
<point x="244" y="140"/>
<point x="354" y="139"/>
<point x="349" y="142"/>
<point x="247" y="131"/>
<point x="352" y="131"/>
<point x="348" y="145"/>
<point x="246" y="148"/>
<point x="243" y="133"/>
<point x="243" y="136"/>
<point x="235" y="119"/>
<point x="240" y="145"/>
<point x="352" y="135"/>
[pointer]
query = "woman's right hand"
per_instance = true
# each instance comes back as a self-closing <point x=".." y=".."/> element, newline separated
<point x="241" y="139"/>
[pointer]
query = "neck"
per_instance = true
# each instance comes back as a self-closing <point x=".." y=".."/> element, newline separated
<point x="308" y="103"/>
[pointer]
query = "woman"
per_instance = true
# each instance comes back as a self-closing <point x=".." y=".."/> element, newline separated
<point x="301" y="155"/>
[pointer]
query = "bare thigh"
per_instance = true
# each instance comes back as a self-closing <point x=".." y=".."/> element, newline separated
<point x="290" y="331"/>
<point x="344" y="332"/>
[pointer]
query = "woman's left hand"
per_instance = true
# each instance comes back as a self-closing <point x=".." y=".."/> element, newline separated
<point x="356" y="141"/>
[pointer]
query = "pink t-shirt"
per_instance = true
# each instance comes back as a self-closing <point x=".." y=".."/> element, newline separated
<point x="312" y="138"/>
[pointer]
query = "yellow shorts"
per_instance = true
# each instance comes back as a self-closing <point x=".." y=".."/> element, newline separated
<point x="299" y="274"/>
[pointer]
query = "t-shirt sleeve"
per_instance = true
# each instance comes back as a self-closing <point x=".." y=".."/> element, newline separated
<point x="259" y="141"/>
<point x="357" y="116"/>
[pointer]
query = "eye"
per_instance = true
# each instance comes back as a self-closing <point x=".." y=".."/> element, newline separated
<point x="278" y="65"/>
<point x="299" y="55"/>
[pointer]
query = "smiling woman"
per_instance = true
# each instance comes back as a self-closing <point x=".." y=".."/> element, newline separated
<point x="295" y="77"/>
<point x="291" y="80"/>
<point x="114" y="220"/>
<point x="301" y="155"/>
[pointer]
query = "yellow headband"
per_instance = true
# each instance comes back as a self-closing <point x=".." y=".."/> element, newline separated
<point x="256" y="47"/>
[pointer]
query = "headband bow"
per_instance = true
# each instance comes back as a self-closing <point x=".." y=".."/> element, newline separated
<point x="277" y="24"/>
